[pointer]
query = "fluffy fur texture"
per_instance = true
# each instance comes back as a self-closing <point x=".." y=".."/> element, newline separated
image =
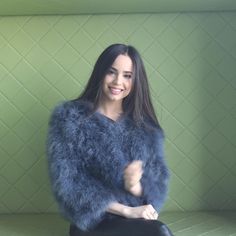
<point x="87" y="154"/>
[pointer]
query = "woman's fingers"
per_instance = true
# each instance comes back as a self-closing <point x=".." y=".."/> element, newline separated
<point x="132" y="180"/>
<point x="146" y="211"/>
<point x="155" y="215"/>
<point x="134" y="166"/>
<point x="133" y="173"/>
<point x="148" y="216"/>
<point x="151" y="212"/>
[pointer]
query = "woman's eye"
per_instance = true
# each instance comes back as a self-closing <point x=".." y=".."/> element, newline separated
<point x="128" y="76"/>
<point x="111" y="72"/>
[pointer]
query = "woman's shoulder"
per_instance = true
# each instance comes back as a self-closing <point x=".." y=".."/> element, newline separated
<point x="71" y="109"/>
<point x="153" y="128"/>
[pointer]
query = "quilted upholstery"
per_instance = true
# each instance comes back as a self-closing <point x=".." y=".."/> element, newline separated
<point x="182" y="224"/>
<point x="190" y="59"/>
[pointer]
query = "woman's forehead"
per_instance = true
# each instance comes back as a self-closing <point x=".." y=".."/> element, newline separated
<point x="123" y="63"/>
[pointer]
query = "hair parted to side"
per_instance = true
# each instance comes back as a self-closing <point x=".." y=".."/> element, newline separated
<point x="138" y="103"/>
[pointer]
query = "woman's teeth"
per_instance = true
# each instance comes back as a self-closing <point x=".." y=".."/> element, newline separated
<point x="115" y="90"/>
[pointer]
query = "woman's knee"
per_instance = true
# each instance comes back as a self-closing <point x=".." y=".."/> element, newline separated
<point x="163" y="230"/>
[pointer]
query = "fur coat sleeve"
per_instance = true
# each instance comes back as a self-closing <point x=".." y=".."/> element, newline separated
<point x="82" y="198"/>
<point x="87" y="155"/>
<point x="155" y="175"/>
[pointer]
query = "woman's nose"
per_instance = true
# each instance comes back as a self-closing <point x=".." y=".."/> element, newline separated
<point x="118" y="79"/>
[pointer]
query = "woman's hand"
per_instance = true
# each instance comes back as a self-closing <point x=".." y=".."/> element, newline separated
<point x="146" y="212"/>
<point x="136" y="190"/>
<point x="132" y="175"/>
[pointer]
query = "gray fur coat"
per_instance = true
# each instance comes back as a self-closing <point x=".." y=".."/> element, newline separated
<point x="87" y="154"/>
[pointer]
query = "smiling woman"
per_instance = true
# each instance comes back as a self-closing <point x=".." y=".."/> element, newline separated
<point x="117" y="83"/>
<point x="105" y="151"/>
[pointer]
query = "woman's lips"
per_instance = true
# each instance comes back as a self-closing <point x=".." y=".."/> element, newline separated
<point x="115" y="91"/>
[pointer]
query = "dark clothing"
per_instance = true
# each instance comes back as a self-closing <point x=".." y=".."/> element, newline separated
<point x="125" y="227"/>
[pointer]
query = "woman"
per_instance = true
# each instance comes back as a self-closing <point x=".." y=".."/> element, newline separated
<point x="105" y="152"/>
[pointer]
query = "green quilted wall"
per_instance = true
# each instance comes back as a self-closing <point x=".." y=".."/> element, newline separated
<point x="191" y="63"/>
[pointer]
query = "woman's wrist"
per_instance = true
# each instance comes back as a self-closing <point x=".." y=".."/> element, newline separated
<point x="126" y="211"/>
<point x="119" y="209"/>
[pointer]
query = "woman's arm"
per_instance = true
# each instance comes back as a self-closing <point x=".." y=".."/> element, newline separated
<point x="146" y="211"/>
<point x="156" y="174"/>
<point x="82" y="198"/>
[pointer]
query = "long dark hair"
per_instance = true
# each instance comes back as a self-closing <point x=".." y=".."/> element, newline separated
<point x="138" y="103"/>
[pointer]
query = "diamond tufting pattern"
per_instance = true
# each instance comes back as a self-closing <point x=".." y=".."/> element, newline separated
<point x="191" y="63"/>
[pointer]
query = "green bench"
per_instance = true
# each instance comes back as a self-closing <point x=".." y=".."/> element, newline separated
<point x="181" y="223"/>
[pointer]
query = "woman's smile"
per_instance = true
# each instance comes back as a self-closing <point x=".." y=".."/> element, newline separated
<point x="118" y="81"/>
<point x="115" y="91"/>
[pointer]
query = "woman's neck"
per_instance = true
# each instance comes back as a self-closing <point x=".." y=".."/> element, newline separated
<point x="113" y="110"/>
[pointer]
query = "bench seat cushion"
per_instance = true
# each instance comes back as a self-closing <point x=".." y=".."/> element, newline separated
<point x="218" y="223"/>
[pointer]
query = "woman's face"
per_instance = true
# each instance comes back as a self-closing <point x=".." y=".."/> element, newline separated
<point x="117" y="83"/>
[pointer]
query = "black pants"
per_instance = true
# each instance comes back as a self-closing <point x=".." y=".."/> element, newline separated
<point x="125" y="227"/>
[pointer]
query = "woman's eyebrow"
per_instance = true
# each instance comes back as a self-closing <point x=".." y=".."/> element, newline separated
<point x="127" y="72"/>
<point x="112" y="68"/>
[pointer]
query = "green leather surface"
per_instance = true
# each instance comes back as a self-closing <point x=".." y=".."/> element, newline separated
<point x="48" y="7"/>
<point x="210" y="223"/>
<point x="33" y="225"/>
<point x="181" y="224"/>
<point x="190" y="60"/>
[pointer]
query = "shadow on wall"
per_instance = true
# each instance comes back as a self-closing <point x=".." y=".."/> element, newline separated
<point x="201" y="129"/>
<point x="191" y="62"/>
<point x="217" y="100"/>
